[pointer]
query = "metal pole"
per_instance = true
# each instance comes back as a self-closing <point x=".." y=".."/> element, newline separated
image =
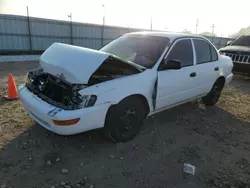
<point x="103" y="24"/>
<point x="28" y="20"/>
<point x="197" y="23"/>
<point x="213" y="28"/>
<point x="128" y="28"/>
<point x="151" y="24"/>
<point x="71" y="28"/>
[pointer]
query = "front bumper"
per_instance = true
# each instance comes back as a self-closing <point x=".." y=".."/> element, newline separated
<point x="90" y="118"/>
<point x="241" y="68"/>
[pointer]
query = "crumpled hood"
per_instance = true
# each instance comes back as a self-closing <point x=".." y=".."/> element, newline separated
<point x="236" y="48"/>
<point x="74" y="64"/>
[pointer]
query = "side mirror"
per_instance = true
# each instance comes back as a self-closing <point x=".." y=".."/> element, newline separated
<point x="229" y="43"/>
<point x="170" y="64"/>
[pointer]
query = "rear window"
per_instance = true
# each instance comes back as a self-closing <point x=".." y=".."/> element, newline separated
<point x="141" y="49"/>
<point x="204" y="52"/>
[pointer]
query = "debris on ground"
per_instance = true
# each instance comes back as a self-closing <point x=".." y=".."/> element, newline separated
<point x="111" y="156"/>
<point x="64" y="171"/>
<point x="189" y="169"/>
<point x="63" y="183"/>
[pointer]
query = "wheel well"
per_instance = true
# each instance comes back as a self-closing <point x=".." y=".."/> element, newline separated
<point x="143" y="100"/>
<point x="221" y="80"/>
<point x="140" y="97"/>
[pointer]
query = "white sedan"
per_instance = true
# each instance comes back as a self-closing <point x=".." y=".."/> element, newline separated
<point x="77" y="89"/>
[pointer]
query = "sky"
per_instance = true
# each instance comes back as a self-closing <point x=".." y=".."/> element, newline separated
<point x="170" y="15"/>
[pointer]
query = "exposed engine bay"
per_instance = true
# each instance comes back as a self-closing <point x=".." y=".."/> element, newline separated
<point x="54" y="90"/>
<point x="111" y="69"/>
<point x="57" y="91"/>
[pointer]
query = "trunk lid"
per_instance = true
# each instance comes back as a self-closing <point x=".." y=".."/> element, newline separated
<point x="71" y="63"/>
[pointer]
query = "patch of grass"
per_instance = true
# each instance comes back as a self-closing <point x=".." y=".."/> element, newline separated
<point x="13" y="119"/>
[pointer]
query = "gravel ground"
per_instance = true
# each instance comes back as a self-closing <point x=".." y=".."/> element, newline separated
<point x="215" y="140"/>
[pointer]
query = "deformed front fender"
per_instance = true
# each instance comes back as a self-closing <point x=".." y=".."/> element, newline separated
<point x="114" y="91"/>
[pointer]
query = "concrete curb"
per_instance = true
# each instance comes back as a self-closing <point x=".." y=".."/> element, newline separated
<point x="18" y="58"/>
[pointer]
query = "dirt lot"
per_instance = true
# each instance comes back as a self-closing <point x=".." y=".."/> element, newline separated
<point x="216" y="140"/>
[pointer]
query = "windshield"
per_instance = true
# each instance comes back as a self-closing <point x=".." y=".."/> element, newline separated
<point x="140" y="49"/>
<point x="242" y="41"/>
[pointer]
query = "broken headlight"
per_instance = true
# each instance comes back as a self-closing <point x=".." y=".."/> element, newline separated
<point x="29" y="77"/>
<point x="26" y="79"/>
<point x="88" y="100"/>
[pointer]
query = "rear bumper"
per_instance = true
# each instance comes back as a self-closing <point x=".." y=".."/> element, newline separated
<point x="90" y="118"/>
<point x="241" y="68"/>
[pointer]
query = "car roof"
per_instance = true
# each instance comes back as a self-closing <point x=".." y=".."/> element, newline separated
<point x="171" y="35"/>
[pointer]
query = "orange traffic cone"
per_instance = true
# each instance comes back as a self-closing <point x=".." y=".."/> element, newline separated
<point x="12" y="90"/>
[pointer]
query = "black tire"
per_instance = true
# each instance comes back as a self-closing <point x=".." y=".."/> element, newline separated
<point x="124" y="121"/>
<point x="213" y="96"/>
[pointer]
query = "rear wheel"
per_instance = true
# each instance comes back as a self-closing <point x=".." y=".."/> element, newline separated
<point x="123" y="121"/>
<point x="213" y="96"/>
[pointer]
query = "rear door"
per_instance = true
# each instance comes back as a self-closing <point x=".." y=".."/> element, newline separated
<point x="207" y="65"/>
<point x="176" y="86"/>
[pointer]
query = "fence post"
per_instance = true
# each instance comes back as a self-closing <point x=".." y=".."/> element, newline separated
<point x="28" y="20"/>
<point x="102" y="35"/>
<point x="103" y="24"/>
<point x="220" y="42"/>
<point x="71" y="29"/>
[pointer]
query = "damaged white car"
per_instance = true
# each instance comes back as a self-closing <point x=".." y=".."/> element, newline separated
<point x="139" y="74"/>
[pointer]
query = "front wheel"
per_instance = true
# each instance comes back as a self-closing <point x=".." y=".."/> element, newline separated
<point x="213" y="96"/>
<point x="123" y="121"/>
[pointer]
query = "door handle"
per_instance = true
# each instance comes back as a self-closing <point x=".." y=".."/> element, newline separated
<point x="193" y="74"/>
<point x="216" y="68"/>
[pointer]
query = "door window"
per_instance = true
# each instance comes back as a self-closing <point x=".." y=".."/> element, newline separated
<point x="183" y="52"/>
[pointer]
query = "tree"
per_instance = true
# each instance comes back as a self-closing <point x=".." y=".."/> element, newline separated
<point x="206" y="33"/>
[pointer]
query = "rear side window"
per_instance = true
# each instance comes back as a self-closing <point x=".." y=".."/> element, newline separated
<point x="214" y="53"/>
<point x="204" y="52"/>
<point x="182" y="51"/>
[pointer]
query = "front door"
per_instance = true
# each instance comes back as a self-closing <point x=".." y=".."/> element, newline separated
<point x="176" y="86"/>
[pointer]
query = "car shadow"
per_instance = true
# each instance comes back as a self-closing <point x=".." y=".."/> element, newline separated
<point x="36" y="156"/>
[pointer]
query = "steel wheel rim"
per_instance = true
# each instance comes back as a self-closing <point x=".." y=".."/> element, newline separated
<point x="128" y="120"/>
